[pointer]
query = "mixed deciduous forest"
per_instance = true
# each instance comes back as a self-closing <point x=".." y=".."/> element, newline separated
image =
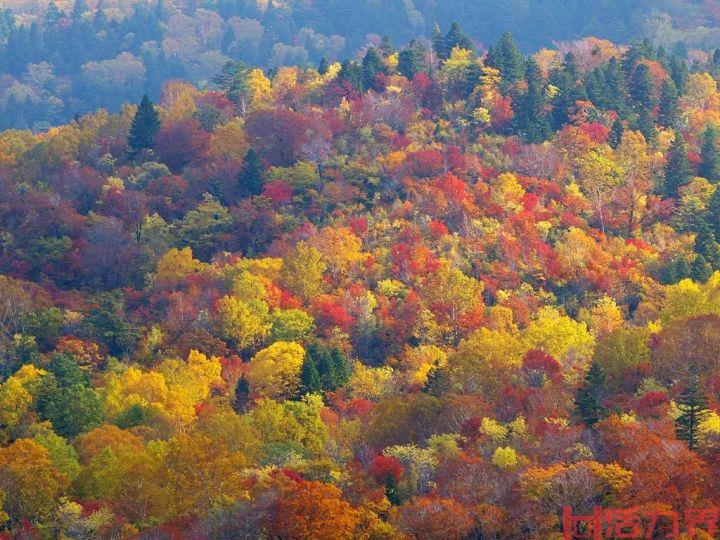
<point x="59" y="58"/>
<point x="433" y="291"/>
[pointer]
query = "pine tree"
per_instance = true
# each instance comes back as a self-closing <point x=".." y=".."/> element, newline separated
<point x="676" y="269"/>
<point x="614" y="87"/>
<point x="250" y="178"/>
<point x="386" y="47"/>
<point x="590" y="397"/>
<point x="242" y="395"/>
<point x="506" y="57"/>
<point x="714" y="63"/>
<point x="677" y="171"/>
<point x="372" y="66"/>
<point x="642" y="88"/>
<point x="456" y="38"/>
<point x="144" y="128"/>
<point x="693" y="410"/>
<point x="644" y="124"/>
<point x="323" y="66"/>
<point x="710" y="163"/>
<point x="530" y="118"/>
<point x="411" y="60"/>
<point x="326" y="368"/>
<point x="616" y="132"/>
<point x="563" y="99"/>
<point x="712" y="216"/>
<point x="700" y="269"/>
<point x="571" y="67"/>
<point x="341" y="367"/>
<point x="631" y="57"/>
<point x="438" y="43"/>
<point x="705" y="243"/>
<point x="310" y="377"/>
<point x="668" y="113"/>
<point x="679" y="73"/>
<point x="353" y="74"/>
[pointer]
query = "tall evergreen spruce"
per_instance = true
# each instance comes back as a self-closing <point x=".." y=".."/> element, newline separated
<point x="456" y="38"/>
<point x="530" y="118"/>
<point x="372" y="66"/>
<point x="324" y="369"/>
<point x="710" y="159"/>
<point x="712" y="216"/>
<point x="677" y="171"/>
<point x="693" y="410"/>
<point x="705" y="243"/>
<point x="616" y="133"/>
<point x="242" y="395"/>
<point x="144" y="128"/>
<point x="250" y="178"/>
<point x="411" y="60"/>
<point x="591" y="395"/>
<point x="506" y="57"/>
<point x="641" y="88"/>
<point x="668" y="111"/>
<point x="323" y="66"/>
<point x="645" y="124"/>
<point x="310" y="377"/>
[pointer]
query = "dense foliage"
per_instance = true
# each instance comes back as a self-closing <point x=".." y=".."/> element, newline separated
<point x="61" y="58"/>
<point x="424" y="294"/>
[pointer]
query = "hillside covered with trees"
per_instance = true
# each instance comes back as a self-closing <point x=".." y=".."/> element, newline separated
<point x="62" y="58"/>
<point x="428" y="293"/>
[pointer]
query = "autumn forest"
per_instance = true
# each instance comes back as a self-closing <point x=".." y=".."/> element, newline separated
<point x="427" y="288"/>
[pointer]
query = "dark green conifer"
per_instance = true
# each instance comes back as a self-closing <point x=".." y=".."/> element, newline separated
<point x="710" y="159"/>
<point x="616" y="132"/>
<point x="693" y="410"/>
<point x="677" y="170"/>
<point x="310" y="377"/>
<point x="668" y="111"/>
<point x="323" y="66"/>
<point x="144" y="128"/>
<point x="506" y="57"/>
<point x="242" y="395"/>
<point x="251" y="178"/>
<point x="589" y="402"/>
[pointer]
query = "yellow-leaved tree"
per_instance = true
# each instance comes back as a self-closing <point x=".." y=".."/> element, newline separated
<point x="274" y="372"/>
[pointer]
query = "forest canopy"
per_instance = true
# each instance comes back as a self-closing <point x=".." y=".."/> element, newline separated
<point x="436" y="290"/>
